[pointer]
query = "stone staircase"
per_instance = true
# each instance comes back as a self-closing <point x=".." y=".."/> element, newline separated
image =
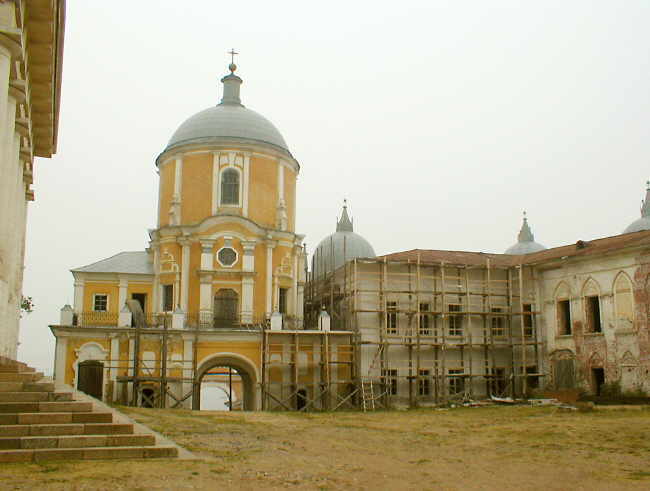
<point x="37" y="424"/>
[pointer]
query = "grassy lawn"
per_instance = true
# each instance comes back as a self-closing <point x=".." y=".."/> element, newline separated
<point x="467" y="448"/>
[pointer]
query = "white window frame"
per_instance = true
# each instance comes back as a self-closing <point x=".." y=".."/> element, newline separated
<point x="456" y="379"/>
<point x="424" y="383"/>
<point x="455" y="320"/>
<point x="389" y="375"/>
<point x="95" y="295"/>
<point x="227" y="265"/>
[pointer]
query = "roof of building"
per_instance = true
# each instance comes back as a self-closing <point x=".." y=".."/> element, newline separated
<point x="525" y="241"/>
<point x="642" y="223"/>
<point x="336" y="249"/>
<point x="228" y="121"/>
<point x="134" y="262"/>
<point x="580" y="248"/>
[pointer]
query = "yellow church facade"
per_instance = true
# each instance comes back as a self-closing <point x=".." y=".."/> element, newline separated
<point x="223" y="265"/>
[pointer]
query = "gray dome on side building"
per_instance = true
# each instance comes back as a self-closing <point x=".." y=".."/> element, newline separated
<point x="340" y="247"/>
<point x="525" y="241"/>
<point x="228" y="121"/>
<point x="642" y="223"/>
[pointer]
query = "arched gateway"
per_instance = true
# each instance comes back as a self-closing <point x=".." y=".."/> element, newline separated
<point x="246" y="369"/>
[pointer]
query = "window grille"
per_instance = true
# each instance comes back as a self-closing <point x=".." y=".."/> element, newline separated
<point x="100" y="303"/>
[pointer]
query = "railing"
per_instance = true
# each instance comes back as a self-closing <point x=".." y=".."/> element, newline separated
<point x="159" y="321"/>
<point x="207" y="320"/>
<point x="94" y="319"/>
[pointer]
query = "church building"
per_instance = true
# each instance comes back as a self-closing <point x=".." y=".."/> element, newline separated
<point x="224" y="283"/>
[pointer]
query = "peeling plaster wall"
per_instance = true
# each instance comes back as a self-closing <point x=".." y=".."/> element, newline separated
<point x="622" y="349"/>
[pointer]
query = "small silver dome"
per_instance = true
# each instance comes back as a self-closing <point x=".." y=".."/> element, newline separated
<point x="525" y="241"/>
<point x="342" y="246"/>
<point x="642" y="223"/>
<point x="228" y="121"/>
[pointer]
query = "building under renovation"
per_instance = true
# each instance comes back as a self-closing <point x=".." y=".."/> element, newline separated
<point x="224" y="283"/>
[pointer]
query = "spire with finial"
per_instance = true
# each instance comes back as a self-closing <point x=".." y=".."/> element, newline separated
<point x="231" y="83"/>
<point x="344" y="224"/>
<point x="525" y="234"/>
<point x="645" y="205"/>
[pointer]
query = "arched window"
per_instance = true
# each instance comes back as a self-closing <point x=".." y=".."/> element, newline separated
<point x="624" y="301"/>
<point x="591" y="300"/>
<point x="230" y="187"/>
<point x="563" y="309"/>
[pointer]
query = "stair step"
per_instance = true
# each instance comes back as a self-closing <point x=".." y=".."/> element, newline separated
<point x="11" y="386"/>
<point x="46" y="407"/>
<point x="38" y="387"/>
<point x="75" y="441"/>
<point x="93" y="453"/>
<point x="67" y="429"/>
<point x="20" y="376"/>
<point x="35" y="396"/>
<point x="34" y="418"/>
<point x="15" y="369"/>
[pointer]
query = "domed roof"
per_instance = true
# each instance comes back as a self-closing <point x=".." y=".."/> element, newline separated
<point x="229" y="120"/>
<point x="338" y="248"/>
<point x="642" y="223"/>
<point x="525" y="241"/>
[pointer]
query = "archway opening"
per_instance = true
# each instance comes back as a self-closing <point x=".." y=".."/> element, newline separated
<point x="225" y="382"/>
<point x="221" y="390"/>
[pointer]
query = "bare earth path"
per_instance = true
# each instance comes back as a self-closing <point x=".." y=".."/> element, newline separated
<point x="480" y="448"/>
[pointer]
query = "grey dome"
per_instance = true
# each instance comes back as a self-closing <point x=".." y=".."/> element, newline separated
<point x="642" y="223"/>
<point x="228" y="121"/>
<point x="525" y="241"/>
<point x="225" y="122"/>
<point x="338" y="248"/>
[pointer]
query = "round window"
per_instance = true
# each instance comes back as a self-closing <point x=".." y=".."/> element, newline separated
<point x="227" y="256"/>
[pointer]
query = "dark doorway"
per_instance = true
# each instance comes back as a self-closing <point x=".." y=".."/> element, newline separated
<point x="142" y="298"/>
<point x="498" y="382"/>
<point x="598" y="378"/>
<point x="91" y="378"/>
<point x="301" y="399"/>
<point x="225" y="308"/>
<point x="148" y="398"/>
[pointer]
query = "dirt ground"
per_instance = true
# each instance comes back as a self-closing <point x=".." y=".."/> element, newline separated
<point x="466" y="448"/>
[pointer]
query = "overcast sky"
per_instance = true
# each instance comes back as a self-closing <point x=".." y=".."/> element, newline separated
<point x="440" y="121"/>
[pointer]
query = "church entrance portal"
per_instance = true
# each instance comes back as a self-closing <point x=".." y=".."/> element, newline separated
<point x="231" y="374"/>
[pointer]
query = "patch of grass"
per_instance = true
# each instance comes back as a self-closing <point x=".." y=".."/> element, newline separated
<point x="639" y="475"/>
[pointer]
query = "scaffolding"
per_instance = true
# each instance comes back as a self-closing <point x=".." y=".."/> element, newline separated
<point x="439" y="331"/>
<point x="308" y="370"/>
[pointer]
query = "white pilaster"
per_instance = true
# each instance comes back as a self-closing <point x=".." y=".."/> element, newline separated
<point x="185" y="273"/>
<point x="294" y="287"/>
<point x="207" y="259"/>
<point x="115" y="355"/>
<point x="79" y="295"/>
<point x="121" y="300"/>
<point x="215" y="182"/>
<point x="205" y="294"/>
<point x="248" y="282"/>
<point x="60" y="359"/>
<point x="270" y="245"/>
<point x="246" y="183"/>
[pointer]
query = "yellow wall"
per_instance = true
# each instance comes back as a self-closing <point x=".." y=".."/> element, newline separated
<point x="251" y="350"/>
<point x="110" y="288"/>
<point x="263" y="194"/>
<point x="197" y="188"/>
<point x="71" y="357"/>
<point x="290" y="197"/>
<point x="166" y="190"/>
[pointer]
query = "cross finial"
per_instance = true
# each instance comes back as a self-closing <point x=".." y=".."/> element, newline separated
<point x="232" y="65"/>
